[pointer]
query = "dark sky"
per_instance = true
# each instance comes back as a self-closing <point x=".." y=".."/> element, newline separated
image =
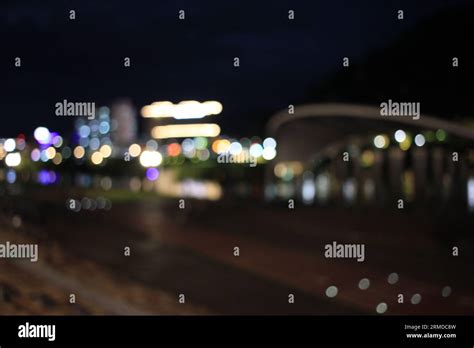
<point x="82" y="60"/>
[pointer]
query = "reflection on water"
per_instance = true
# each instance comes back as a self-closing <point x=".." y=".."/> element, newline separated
<point x="470" y="193"/>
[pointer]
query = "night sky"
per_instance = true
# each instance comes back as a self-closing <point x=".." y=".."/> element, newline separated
<point x="82" y="60"/>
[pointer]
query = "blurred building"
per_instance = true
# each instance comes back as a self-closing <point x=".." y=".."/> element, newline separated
<point x="124" y="123"/>
<point x="94" y="133"/>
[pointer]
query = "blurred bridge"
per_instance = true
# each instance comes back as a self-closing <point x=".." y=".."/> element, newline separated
<point x="344" y="153"/>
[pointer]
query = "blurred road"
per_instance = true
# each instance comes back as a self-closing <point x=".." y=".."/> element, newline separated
<point x="191" y="251"/>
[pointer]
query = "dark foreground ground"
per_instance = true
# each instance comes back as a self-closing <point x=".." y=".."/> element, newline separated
<point x="191" y="251"/>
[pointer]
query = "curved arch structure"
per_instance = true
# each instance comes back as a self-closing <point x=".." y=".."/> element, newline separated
<point x="319" y="127"/>
<point x="366" y="112"/>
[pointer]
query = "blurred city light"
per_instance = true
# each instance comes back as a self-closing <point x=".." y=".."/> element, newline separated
<point x="269" y="153"/>
<point x="152" y="145"/>
<point x="235" y="148"/>
<point x="200" y="189"/>
<point x="188" y="148"/>
<point x="42" y="135"/>
<point x="66" y="152"/>
<point x="134" y="150"/>
<point x="174" y="149"/>
<point x="46" y="177"/>
<point x="84" y="131"/>
<point x="367" y="158"/>
<point x="406" y="143"/>
<point x="256" y="150"/>
<point x="57" y="141"/>
<point x="20" y="144"/>
<point x="50" y="152"/>
<point x="97" y="158"/>
<point x="152" y="174"/>
<point x="13" y="159"/>
<point x="11" y="176"/>
<point x="188" y="109"/>
<point x="186" y="130"/>
<point x="200" y="143"/>
<point x="470" y="194"/>
<point x="400" y="136"/>
<point x="106" y="150"/>
<point x="79" y="152"/>
<point x="58" y="158"/>
<point x="94" y="144"/>
<point x="440" y="135"/>
<point x="349" y="190"/>
<point x="221" y="146"/>
<point x="323" y="187"/>
<point x="419" y="140"/>
<point x="203" y="155"/>
<point x="381" y="141"/>
<point x="9" y="145"/>
<point x="269" y="142"/>
<point x="35" y="155"/>
<point x="150" y="158"/>
<point x="308" y="189"/>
